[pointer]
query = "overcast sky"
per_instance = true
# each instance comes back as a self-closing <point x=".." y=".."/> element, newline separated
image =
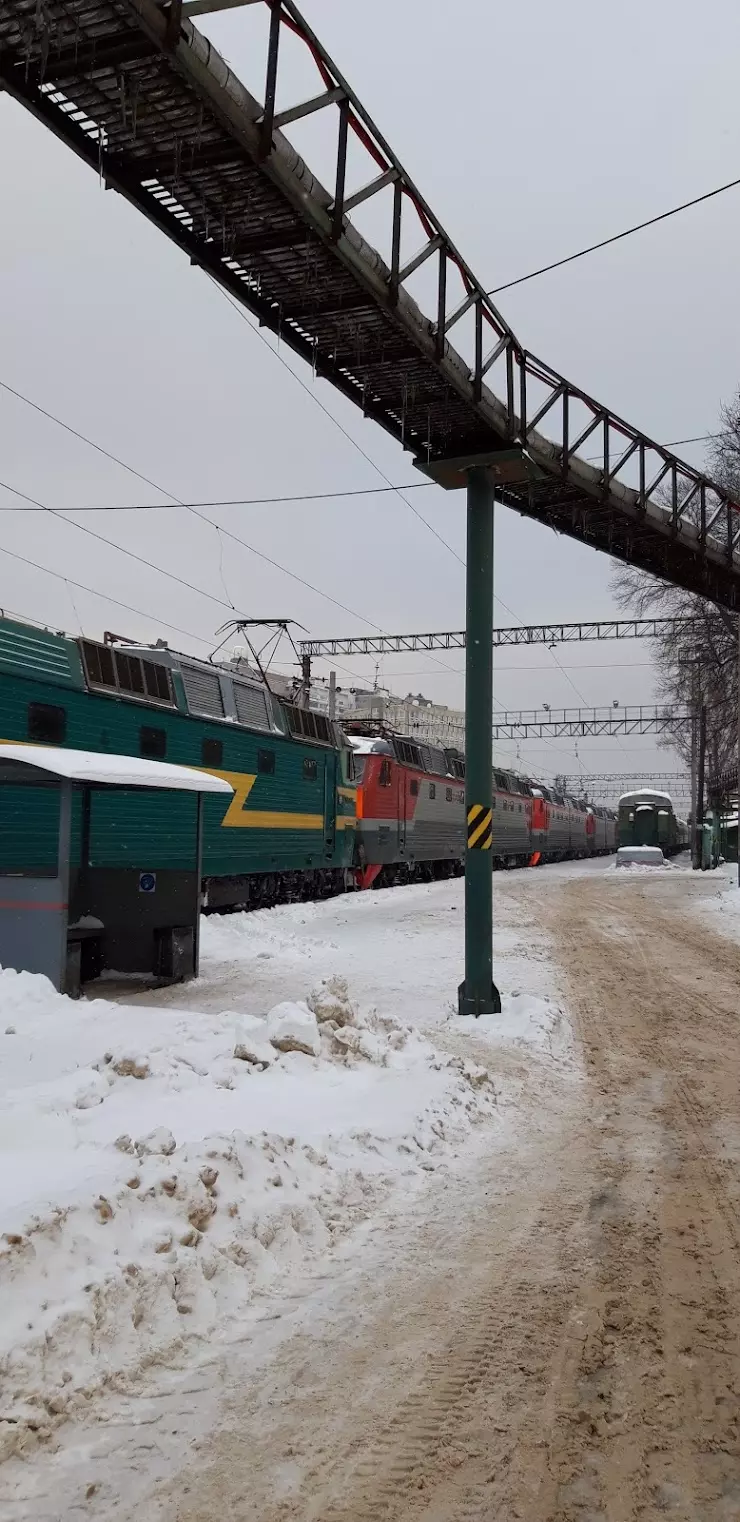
<point x="532" y="130"/>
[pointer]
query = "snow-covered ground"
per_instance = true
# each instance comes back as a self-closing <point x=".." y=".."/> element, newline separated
<point x="720" y="906"/>
<point x="168" y="1161"/>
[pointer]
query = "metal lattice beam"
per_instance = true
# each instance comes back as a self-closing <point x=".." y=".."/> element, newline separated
<point x="581" y="722"/>
<point x="527" y="634"/>
<point x="725" y="786"/>
<point x="138" y="93"/>
<point x="607" y="789"/>
<point x="625" y="778"/>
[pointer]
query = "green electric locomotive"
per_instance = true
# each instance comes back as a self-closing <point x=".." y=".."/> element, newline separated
<point x="286" y="833"/>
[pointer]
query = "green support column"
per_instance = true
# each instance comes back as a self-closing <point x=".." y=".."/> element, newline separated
<point x="478" y="994"/>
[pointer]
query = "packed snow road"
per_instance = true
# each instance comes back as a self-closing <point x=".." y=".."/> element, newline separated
<point x="549" y="1328"/>
<point x="563" y="1341"/>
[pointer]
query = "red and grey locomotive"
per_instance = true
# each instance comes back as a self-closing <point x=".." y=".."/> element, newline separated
<point x="411" y="814"/>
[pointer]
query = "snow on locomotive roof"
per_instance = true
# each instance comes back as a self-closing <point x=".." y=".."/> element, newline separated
<point x="370" y="745"/>
<point x="647" y="795"/>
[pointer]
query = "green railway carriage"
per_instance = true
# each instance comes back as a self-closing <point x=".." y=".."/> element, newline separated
<point x="647" y="818"/>
<point x="287" y="832"/>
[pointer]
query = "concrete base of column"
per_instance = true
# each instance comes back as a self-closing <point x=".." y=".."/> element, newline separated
<point x="478" y="1006"/>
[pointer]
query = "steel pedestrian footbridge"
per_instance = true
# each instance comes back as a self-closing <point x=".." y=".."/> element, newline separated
<point x="411" y="338"/>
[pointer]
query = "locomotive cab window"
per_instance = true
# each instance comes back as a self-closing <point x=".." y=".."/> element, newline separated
<point x="152" y="743"/>
<point x="432" y="790"/>
<point x="384" y="778"/>
<point x="414" y="789"/>
<point x="266" y="762"/>
<point x="310" y="770"/>
<point x="448" y="794"/>
<point x="47" y="723"/>
<point x="212" y="752"/>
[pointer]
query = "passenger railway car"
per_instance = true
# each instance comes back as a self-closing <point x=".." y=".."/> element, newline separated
<point x="288" y="830"/>
<point x="647" y="818"/>
<point x="411" y="814"/>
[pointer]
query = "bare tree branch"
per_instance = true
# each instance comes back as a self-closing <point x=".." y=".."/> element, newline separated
<point x="710" y="649"/>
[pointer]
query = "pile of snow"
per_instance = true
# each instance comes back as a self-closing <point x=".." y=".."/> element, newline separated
<point x="160" y="1165"/>
<point x="526" y="1021"/>
<point x="640" y="856"/>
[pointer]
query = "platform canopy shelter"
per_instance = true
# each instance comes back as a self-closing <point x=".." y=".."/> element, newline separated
<point x="100" y="864"/>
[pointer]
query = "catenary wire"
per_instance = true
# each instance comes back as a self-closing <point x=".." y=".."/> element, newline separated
<point x="276" y="353"/>
<point x="104" y="596"/>
<point x="168" y="507"/>
<point x="39" y="506"/>
<point x="34" y="505"/>
<point x="615" y="238"/>
<point x="59" y="513"/>
<point x="319" y="496"/>
<point x="175" y="500"/>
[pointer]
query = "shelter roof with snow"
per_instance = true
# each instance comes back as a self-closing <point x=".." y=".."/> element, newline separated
<point x="17" y="761"/>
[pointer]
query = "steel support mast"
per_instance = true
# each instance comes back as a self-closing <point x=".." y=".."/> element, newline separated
<point x="477" y="994"/>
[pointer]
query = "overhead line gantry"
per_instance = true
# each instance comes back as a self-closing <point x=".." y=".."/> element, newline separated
<point x="582" y="722"/>
<point x="613" y="784"/>
<point x="526" y="634"/>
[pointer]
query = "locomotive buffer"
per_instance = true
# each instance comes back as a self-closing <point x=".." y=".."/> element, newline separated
<point x="478" y="994"/>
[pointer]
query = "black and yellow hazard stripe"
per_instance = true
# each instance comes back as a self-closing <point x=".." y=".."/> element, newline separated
<point x="480" y="827"/>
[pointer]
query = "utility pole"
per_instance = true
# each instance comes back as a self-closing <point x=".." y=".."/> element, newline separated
<point x="305" y="681"/>
<point x="332" y="694"/>
<point x="738" y="750"/>
<point x="700" y="784"/>
<point x="694" y="758"/>
<point x="477" y="994"/>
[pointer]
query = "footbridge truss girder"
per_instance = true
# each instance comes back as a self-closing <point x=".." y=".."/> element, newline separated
<point x="405" y="330"/>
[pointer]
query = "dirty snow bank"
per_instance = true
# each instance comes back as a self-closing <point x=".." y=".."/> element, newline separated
<point x="720" y="908"/>
<point x="526" y="1021"/>
<point x="152" y="1181"/>
<point x="624" y="867"/>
